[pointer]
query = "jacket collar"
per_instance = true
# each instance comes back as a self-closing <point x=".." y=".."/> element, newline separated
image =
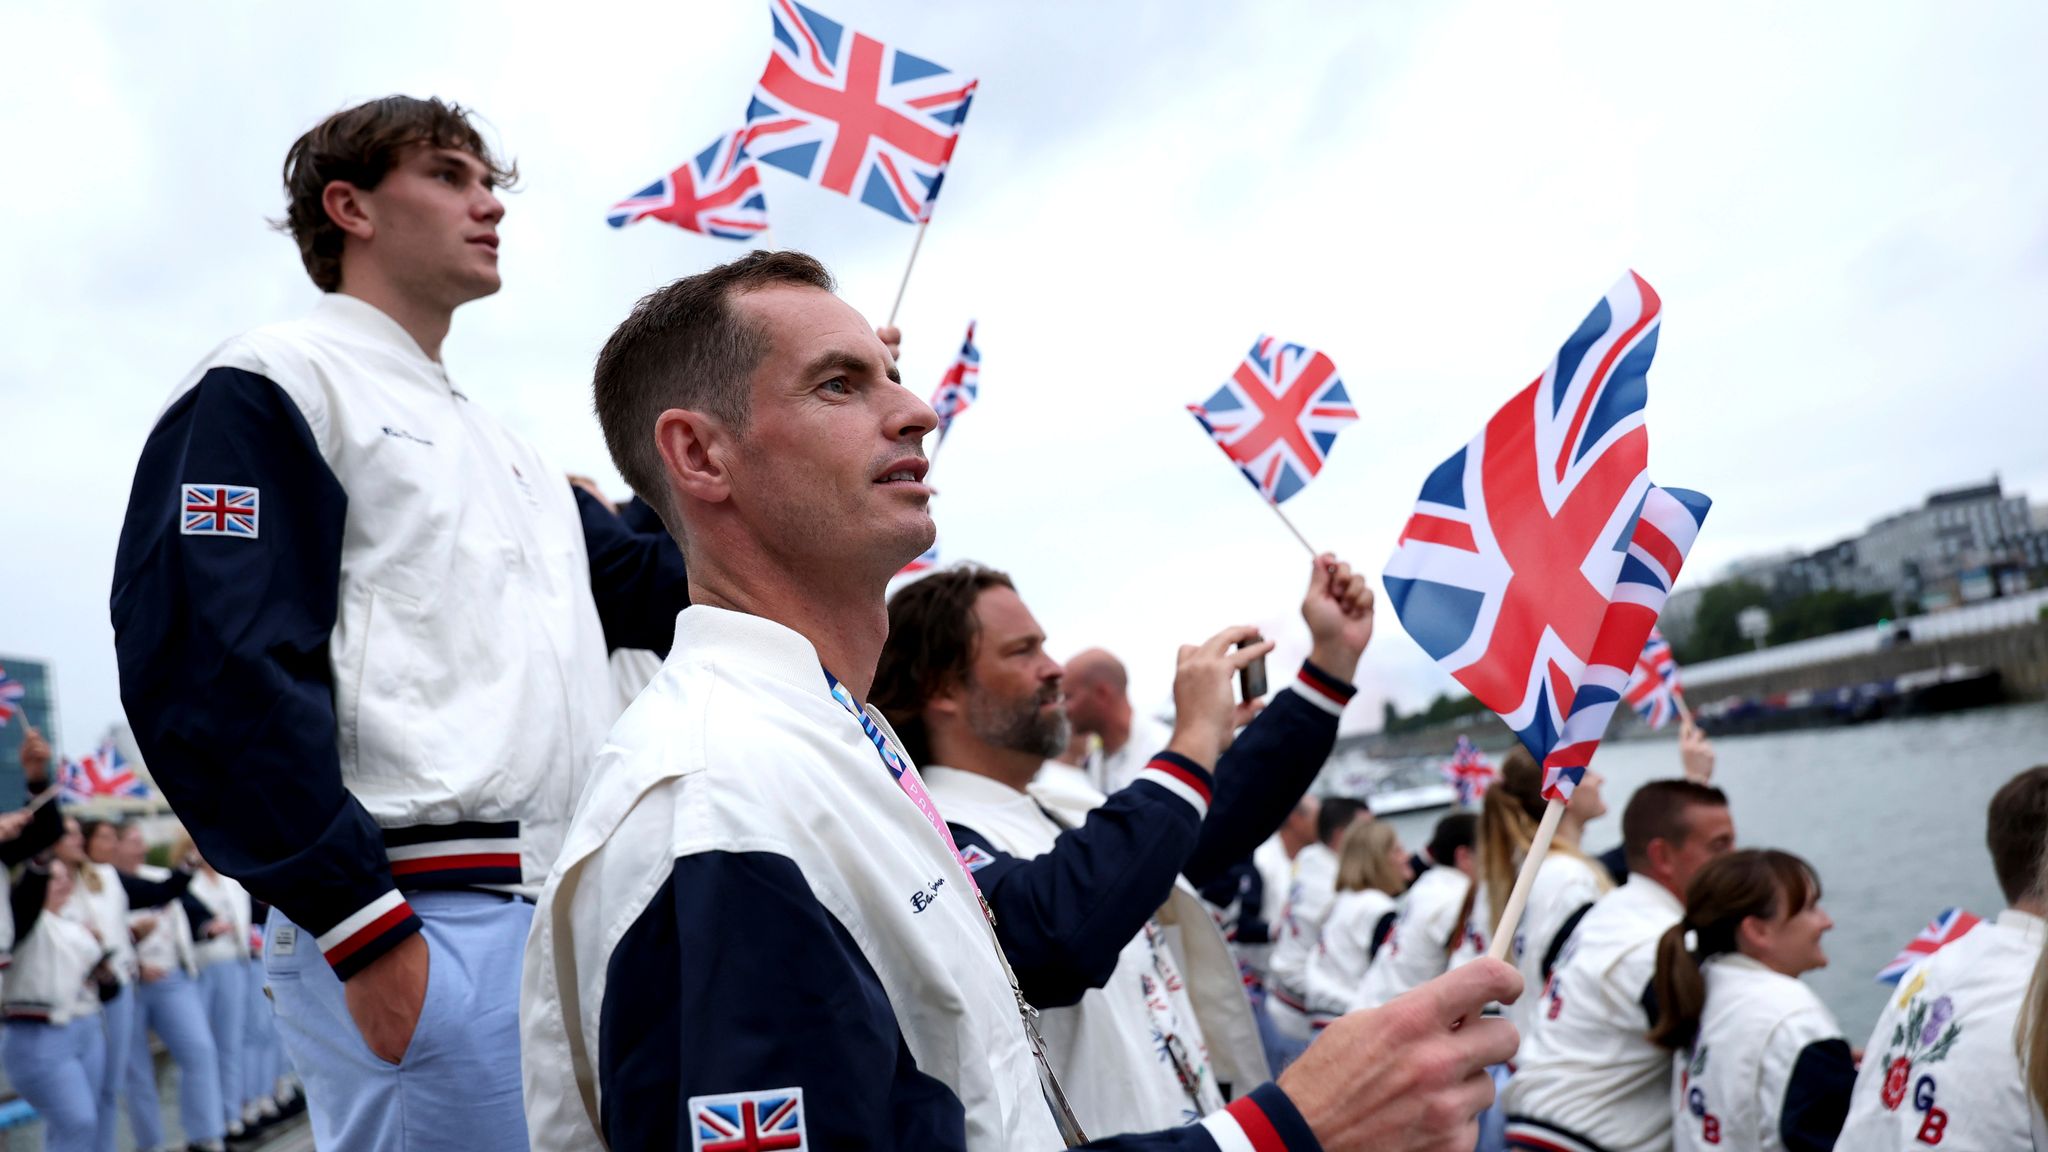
<point x="972" y="787"/>
<point x="753" y="643"/>
<point x="346" y="313"/>
<point x="1654" y="894"/>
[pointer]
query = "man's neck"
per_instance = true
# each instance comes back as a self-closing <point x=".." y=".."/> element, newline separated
<point x="1293" y="845"/>
<point x="427" y="324"/>
<point x="1570" y="829"/>
<point x="2034" y="908"/>
<point x="1116" y="732"/>
<point x="845" y="625"/>
<point x="1005" y="766"/>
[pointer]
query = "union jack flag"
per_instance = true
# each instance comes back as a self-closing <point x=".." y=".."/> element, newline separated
<point x="1946" y="929"/>
<point x="11" y="692"/>
<point x="1653" y="687"/>
<point x="851" y="113"/>
<point x="219" y="510"/>
<point x="717" y="192"/>
<point x="1540" y="554"/>
<point x="961" y="386"/>
<point x="1278" y="415"/>
<point x="1468" y="772"/>
<point x="771" y="1121"/>
<point x="925" y="562"/>
<point x="104" y="773"/>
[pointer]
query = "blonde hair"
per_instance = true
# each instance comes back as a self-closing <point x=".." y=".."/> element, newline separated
<point x="1365" y="859"/>
<point x="83" y="870"/>
<point x="1507" y="823"/>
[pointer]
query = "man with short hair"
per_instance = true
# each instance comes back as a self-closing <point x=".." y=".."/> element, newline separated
<point x="759" y="928"/>
<point x="1588" y="1079"/>
<point x="1099" y="704"/>
<point x="362" y="627"/>
<point x="1145" y="1015"/>
<point x="1941" y="1067"/>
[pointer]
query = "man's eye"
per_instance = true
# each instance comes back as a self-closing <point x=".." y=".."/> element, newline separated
<point x="838" y="385"/>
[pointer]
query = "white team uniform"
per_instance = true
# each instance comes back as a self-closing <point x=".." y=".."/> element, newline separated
<point x="1109" y="771"/>
<point x="1768" y="1052"/>
<point x="168" y="947"/>
<point x="1418" y="949"/>
<point x="1309" y="899"/>
<point x="1344" y="952"/>
<point x="1103" y="1049"/>
<point x="1587" y="1077"/>
<point x="1563" y="885"/>
<point x="1941" y="1067"/>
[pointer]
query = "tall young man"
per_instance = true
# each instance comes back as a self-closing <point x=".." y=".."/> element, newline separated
<point x="362" y="630"/>
<point x="759" y="927"/>
<point x="1160" y="1031"/>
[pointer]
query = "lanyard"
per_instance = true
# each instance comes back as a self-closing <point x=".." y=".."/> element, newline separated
<point x="912" y="785"/>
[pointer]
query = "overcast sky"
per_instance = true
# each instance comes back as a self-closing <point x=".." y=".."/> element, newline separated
<point x="1844" y="209"/>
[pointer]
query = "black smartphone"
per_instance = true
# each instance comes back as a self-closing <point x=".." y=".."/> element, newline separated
<point x="1251" y="679"/>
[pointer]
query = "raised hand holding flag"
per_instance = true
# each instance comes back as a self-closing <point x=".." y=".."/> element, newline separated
<point x="1277" y="417"/>
<point x="1540" y="554"/>
<point x="717" y="193"/>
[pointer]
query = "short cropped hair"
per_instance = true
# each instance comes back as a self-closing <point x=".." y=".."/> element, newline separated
<point x="932" y="634"/>
<point x="360" y="146"/>
<point x="1336" y="815"/>
<point x="1458" y="830"/>
<point x="1660" y="810"/>
<point x="2016" y="831"/>
<point x="686" y="346"/>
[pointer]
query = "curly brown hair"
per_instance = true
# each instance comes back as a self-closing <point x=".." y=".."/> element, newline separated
<point x="360" y="146"/>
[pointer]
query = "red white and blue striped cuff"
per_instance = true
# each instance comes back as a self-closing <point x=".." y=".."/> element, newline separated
<point x="366" y="934"/>
<point x="1265" y="1121"/>
<point x="1535" y="1136"/>
<point x="466" y="854"/>
<point x="1322" y="689"/>
<point x="1182" y="777"/>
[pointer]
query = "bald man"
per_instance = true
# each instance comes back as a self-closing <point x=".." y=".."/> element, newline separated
<point x="1099" y="704"/>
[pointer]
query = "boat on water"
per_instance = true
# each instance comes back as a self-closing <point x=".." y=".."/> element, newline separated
<point x="1950" y="688"/>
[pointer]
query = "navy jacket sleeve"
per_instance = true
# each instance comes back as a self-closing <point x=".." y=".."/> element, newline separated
<point x="1064" y="916"/>
<point x="1817" y="1097"/>
<point x="222" y="645"/>
<point x="703" y="1023"/>
<point x="43" y="830"/>
<point x="154" y="893"/>
<point x="1267" y="769"/>
<point x="637" y="578"/>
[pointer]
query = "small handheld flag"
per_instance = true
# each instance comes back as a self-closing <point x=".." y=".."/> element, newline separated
<point x="104" y="773"/>
<point x="11" y="693"/>
<point x="850" y="113"/>
<point x="1278" y="416"/>
<point x="717" y="192"/>
<point x="961" y="386"/>
<point x="1468" y="772"/>
<point x="1653" y="686"/>
<point x="1540" y="554"/>
<point x="1945" y="929"/>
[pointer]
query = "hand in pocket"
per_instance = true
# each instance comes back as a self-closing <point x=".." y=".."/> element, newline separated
<point x="385" y="998"/>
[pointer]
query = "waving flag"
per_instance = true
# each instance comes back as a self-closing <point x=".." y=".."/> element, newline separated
<point x="1653" y="687"/>
<point x="717" y="192"/>
<point x="1540" y="554"/>
<point x="961" y="386"/>
<point x="11" y="692"/>
<point x="105" y="773"/>
<point x="1278" y="415"/>
<point x="1946" y="929"/>
<point x="1468" y="772"/>
<point x="855" y="115"/>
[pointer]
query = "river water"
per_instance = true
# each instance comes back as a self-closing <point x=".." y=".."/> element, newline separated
<point x="1891" y="815"/>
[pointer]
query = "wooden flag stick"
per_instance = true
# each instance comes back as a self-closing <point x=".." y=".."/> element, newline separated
<point x="903" y="287"/>
<point x="1684" y="713"/>
<point x="1511" y="916"/>
<point x="1275" y="506"/>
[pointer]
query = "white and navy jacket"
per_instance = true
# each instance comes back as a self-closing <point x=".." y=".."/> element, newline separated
<point x="1941" y="1068"/>
<point x="1309" y="896"/>
<point x="1769" y="1070"/>
<point x="43" y="829"/>
<point x="50" y="979"/>
<point x="1565" y="888"/>
<point x="355" y="625"/>
<point x="227" y="902"/>
<point x="169" y="947"/>
<point x="1418" y="947"/>
<point x="1587" y="1078"/>
<point x="1358" y="926"/>
<point x="750" y="918"/>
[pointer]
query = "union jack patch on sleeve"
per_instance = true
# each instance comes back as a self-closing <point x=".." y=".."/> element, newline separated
<point x="769" y="1121"/>
<point x="975" y="857"/>
<point x="218" y="510"/>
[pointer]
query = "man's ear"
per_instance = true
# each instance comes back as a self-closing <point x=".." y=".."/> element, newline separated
<point x="1658" y="852"/>
<point x="346" y="206"/>
<point x="693" y="453"/>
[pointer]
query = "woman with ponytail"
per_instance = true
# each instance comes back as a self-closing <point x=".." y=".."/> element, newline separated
<point x="1759" y="1062"/>
<point x="1567" y="882"/>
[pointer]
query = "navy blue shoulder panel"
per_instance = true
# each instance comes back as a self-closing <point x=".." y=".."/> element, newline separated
<point x="1259" y="779"/>
<point x="1817" y="1097"/>
<point x="221" y="637"/>
<point x="637" y="578"/>
<point x="735" y="979"/>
